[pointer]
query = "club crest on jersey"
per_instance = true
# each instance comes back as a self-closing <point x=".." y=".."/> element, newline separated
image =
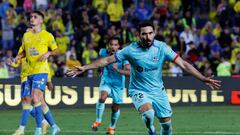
<point x="39" y="40"/>
<point x="155" y="59"/>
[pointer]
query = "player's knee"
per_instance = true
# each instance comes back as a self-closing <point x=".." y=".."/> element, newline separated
<point x="102" y="100"/>
<point x="37" y="96"/>
<point x="145" y="107"/>
<point x="166" y="125"/>
<point x="115" y="107"/>
<point x="36" y="99"/>
<point x="163" y="120"/>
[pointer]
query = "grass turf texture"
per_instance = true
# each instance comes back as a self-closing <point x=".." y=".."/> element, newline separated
<point x="188" y="120"/>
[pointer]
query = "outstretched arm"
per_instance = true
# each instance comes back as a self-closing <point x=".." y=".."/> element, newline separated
<point x="102" y="62"/>
<point x="190" y="69"/>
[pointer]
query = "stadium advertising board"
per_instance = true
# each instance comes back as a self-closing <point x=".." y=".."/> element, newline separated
<point x="83" y="92"/>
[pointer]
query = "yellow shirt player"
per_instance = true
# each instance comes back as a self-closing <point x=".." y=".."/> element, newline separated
<point x="26" y="95"/>
<point x="36" y="44"/>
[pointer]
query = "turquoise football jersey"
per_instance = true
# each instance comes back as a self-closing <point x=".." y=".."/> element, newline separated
<point x="111" y="76"/>
<point x="146" y="65"/>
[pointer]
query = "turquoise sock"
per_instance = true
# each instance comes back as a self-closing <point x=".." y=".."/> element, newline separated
<point x="166" y="128"/>
<point x="114" y="118"/>
<point x="100" y="107"/>
<point x="148" y="119"/>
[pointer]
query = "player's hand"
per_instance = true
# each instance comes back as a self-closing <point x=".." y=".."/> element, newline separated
<point x="18" y="58"/>
<point x="9" y="61"/>
<point x="50" y="86"/>
<point x="44" y="56"/>
<point x="76" y="70"/>
<point x="12" y="63"/>
<point x="213" y="84"/>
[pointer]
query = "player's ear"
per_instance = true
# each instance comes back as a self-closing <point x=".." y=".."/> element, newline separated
<point x="42" y="21"/>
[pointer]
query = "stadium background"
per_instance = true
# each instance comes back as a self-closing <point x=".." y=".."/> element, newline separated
<point x="204" y="32"/>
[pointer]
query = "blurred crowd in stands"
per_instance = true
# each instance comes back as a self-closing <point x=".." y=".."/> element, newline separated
<point x="204" y="32"/>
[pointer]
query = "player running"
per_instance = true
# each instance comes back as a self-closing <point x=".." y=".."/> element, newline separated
<point x="112" y="85"/>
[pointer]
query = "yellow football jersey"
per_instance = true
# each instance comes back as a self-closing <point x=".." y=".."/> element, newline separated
<point x="35" y="45"/>
<point x="24" y="72"/>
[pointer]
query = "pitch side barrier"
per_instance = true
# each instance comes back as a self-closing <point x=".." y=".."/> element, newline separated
<point x="83" y="92"/>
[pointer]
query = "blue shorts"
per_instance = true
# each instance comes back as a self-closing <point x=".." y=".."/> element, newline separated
<point x="38" y="81"/>
<point x="159" y="102"/>
<point x="114" y="92"/>
<point x="25" y="90"/>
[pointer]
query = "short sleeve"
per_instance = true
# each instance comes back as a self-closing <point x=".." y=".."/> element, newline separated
<point x="170" y="55"/>
<point x="20" y="49"/>
<point x="102" y="52"/>
<point x="52" y="43"/>
<point x="125" y="62"/>
<point x="23" y="43"/>
<point x="122" y="54"/>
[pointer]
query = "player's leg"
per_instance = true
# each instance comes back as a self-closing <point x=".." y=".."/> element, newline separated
<point x="143" y="104"/>
<point x="147" y="113"/>
<point x="163" y="112"/>
<point x="37" y="95"/>
<point x="26" y="106"/>
<point x="114" y="118"/>
<point x="100" y="107"/>
<point x="48" y="116"/>
<point x="117" y="96"/>
<point x="39" y="82"/>
<point x="166" y="126"/>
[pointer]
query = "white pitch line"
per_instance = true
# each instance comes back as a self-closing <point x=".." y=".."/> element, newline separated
<point x="135" y="132"/>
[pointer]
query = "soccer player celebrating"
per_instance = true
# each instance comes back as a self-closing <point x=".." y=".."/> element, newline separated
<point x="36" y="43"/>
<point x="111" y="85"/>
<point x="146" y="89"/>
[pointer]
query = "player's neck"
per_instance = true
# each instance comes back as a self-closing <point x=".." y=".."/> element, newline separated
<point x="36" y="29"/>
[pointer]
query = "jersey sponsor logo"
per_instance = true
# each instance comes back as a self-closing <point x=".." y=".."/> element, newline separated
<point x="155" y="59"/>
<point x="33" y="51"/>
<point x="141" y="69"/>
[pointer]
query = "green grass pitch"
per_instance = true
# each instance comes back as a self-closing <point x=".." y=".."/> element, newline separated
<point x="188" y="120"/>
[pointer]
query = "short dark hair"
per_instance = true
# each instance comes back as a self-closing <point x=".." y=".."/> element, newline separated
<point x="114" y="38"/>
<point x="145" y="24"/>
<point x="38" y="12"/>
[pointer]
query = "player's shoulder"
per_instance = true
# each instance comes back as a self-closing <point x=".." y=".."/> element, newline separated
<point x="159" y="44"/>
<point x="131" y="46"/>
<point x="47" y="33"/>
<point x="28" y="32"/>
<point x="103" y="52"/>
<point x="134" y="44"/>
